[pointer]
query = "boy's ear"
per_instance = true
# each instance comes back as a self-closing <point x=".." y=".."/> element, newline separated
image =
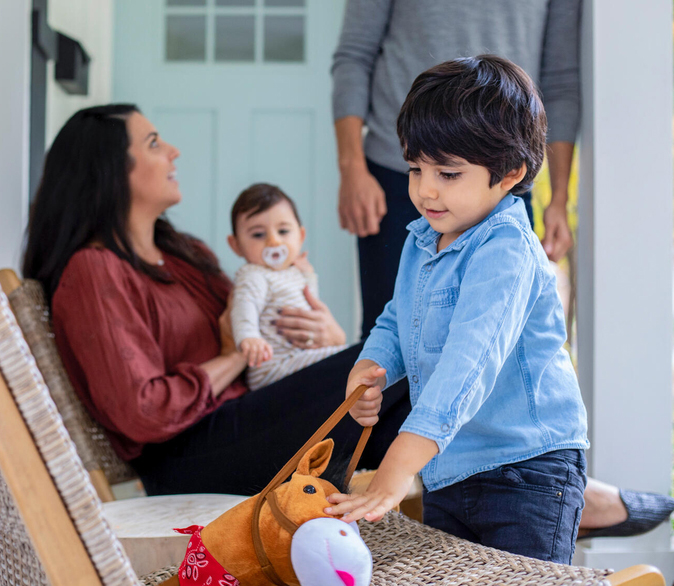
<point x="234" y="244"/>
<point x="303" y="234"/>
<point x="513" y="177"/>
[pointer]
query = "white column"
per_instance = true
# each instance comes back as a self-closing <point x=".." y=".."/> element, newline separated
<point x="625" y="260"/>
<point x="14" y="114"/>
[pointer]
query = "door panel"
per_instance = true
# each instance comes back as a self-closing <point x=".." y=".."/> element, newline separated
<point x="243" y="110"/>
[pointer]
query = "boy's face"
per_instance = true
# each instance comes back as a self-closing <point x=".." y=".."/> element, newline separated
<point x="455" y="195"/>
<point x="272" y="238"/>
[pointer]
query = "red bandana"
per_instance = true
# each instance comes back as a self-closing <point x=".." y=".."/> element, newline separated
<point x="199" y="567"/>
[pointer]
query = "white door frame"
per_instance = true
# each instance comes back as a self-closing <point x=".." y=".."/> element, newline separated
<point x="15" y="43"/>
<point x="625" y="260"/>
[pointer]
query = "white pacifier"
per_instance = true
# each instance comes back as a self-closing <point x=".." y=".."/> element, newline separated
<point x="275" y="256"/>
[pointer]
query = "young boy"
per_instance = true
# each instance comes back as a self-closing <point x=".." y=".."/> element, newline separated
<point x="267" y="232"/>
<point x="497" y="427"/>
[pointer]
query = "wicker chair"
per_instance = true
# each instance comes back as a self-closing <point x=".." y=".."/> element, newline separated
<point x="54" y="531"/>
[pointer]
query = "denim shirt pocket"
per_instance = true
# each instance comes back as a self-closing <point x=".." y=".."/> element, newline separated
<point x="436" y="322"/>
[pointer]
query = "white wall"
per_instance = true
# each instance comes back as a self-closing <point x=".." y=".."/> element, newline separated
<point x="90" y="22"/>
<point x="625" y="260"/>
<point x="14" y="115"/>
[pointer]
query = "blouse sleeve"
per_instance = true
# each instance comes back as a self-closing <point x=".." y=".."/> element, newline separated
<point x="103" y="328"/>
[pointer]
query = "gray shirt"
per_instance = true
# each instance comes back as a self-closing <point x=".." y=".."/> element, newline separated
<point x="385" y="44"/>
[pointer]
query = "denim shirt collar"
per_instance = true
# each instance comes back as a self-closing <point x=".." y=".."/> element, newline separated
<point x="427" y="238"/>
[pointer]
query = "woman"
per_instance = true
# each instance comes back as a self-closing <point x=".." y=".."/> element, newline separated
<point x="139" y="313"/>
<point x="138" y="318"/>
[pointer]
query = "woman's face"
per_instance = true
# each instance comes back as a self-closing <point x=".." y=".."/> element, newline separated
<point x="153" y="182"/>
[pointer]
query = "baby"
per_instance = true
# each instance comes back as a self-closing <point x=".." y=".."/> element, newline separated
<point x="267" y="232"/>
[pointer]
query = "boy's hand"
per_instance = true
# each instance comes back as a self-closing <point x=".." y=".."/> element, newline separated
<point x="256" y="351"/>
<point x="370" y="374"/>
<point x="386" y="491"/>
<point x="406" y="456"/>
<point x="303" y="264"/>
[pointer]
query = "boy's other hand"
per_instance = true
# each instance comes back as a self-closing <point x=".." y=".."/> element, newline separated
<point x="256" y="351"/>
<point x="362" y="202"/>
<point x="370" y="374"/>
<point x="406" y="456"/>
<point x="303" y="264"/>
<point x="386" y="491"/>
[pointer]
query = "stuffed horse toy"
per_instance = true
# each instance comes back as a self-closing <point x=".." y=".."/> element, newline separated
<point x="282" y="536"/>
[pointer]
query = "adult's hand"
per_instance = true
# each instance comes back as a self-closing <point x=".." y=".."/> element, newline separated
<point x="313" y="328"/>
<point x="362" y="203"/>
<point x="558" y="238"/>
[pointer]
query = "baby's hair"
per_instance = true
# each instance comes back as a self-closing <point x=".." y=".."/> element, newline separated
<point x="258" y="198"/>
<point x="483" y="109"/>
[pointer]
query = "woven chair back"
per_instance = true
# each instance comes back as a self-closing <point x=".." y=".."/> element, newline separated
<point x="32" y="314"/>
<point x="22" y="376"/>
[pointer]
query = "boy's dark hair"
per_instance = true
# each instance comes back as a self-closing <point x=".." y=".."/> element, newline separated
<point x="484" y="109"/>
<point x="258" y="198"/>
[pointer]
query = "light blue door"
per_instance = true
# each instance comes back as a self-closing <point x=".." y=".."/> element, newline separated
<point x="242" y="88"/>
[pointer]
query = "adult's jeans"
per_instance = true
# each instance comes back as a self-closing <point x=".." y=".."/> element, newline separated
<point x="379" y="254"/>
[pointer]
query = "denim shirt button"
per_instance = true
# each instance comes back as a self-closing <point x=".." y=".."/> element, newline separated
<point x="416" y="322"/>
<point x="429" y="268"/>
<point x="415" y="379"/>
<point x="444" y="428"/>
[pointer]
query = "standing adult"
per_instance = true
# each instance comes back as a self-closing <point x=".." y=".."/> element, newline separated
<point x="384" y="45"/>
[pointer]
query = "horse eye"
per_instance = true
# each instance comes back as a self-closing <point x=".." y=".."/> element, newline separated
<point x="342" y="532"/>
<point x="310" y="489"/>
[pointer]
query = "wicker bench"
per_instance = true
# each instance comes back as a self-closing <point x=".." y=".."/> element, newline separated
<point x="54" y="531"/>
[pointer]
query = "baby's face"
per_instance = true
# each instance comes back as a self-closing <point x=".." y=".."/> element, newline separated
<point x="272" y="238"/>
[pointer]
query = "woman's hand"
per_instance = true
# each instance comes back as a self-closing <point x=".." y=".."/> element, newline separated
<point x="314" y="328"/>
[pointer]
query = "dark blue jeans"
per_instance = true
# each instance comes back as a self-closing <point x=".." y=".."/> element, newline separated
<point x="530" y="508"/>
<point x="379" y="255"/>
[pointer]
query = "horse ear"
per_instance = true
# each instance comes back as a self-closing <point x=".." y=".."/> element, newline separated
<point x="315" y="461"/>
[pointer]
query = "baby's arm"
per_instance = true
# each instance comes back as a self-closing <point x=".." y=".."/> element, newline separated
<point x="250" y="294"/>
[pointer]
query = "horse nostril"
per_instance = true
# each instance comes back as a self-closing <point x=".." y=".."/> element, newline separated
<point x="347" y="578"/>
<point x="310" y="489"/>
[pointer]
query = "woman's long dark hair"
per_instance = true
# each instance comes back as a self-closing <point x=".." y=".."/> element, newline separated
<point x="84" y="198"/>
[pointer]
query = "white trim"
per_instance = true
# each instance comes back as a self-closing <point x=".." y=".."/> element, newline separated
<point x="625" y="259"/>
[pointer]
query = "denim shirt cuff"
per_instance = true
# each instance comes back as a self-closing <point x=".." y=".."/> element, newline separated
<point x="432" y="425"/>
<point x="395" y="369"/>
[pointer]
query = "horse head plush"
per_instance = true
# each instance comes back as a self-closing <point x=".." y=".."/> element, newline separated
<point x="282" y="536"/>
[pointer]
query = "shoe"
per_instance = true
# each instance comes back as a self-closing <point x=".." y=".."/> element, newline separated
<point x="645" y="511"/>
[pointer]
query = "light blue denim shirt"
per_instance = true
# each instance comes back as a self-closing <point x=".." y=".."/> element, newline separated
<point x="478" y="329"/>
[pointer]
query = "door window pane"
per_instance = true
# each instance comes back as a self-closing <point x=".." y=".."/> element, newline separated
<point x="235" y="3"/>
<point x="284" y="2"/>
<point x="284" y="38"/>
<point x="235" y="38"/>
<point x="185" y="2"/>
<point x="185" y="38"/>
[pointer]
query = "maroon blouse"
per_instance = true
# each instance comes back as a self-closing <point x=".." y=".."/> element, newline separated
<point x="132" y="346"/>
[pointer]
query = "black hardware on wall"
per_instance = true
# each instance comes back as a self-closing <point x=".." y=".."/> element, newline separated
<point x="71" y="72"/>
<point x="72" y="66"/>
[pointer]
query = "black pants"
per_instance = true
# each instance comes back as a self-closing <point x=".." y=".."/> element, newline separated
<point x="239" y="448"/>
<point x="379" y="255"/>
